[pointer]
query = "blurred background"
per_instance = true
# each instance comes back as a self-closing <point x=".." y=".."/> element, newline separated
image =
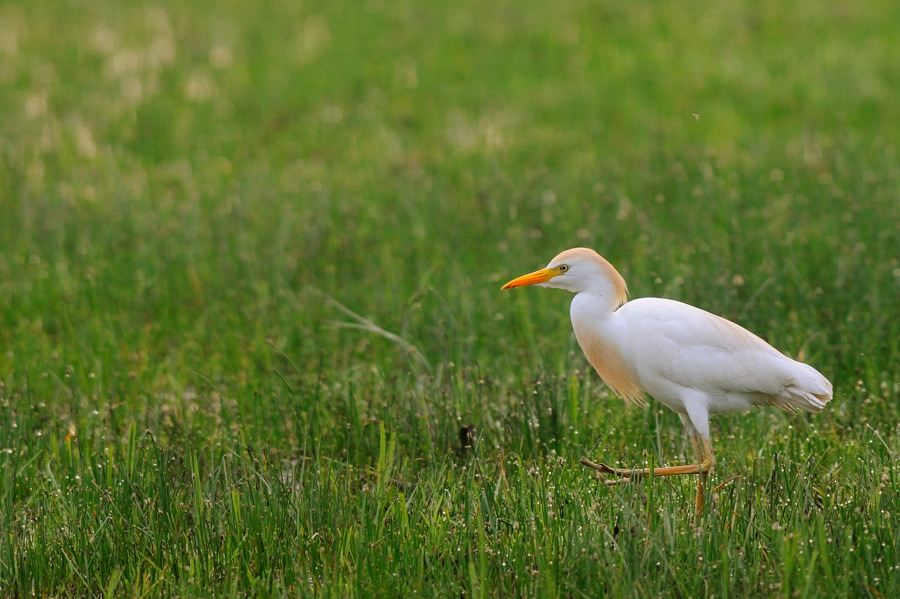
<point x="252" y="338"/>
<point x="205" y="203"/>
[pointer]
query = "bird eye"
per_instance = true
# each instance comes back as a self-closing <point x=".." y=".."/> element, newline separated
<point x="563" y="267"/>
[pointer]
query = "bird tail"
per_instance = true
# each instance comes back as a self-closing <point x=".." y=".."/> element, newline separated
<point x="808" y="392"/>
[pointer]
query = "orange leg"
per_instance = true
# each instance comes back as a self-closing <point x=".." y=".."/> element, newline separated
<point x="706" y="462"/>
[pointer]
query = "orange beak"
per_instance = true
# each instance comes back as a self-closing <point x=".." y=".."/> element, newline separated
<point x="539" y="276"/>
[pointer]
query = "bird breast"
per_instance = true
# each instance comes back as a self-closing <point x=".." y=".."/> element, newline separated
<point x="598" y="341"/>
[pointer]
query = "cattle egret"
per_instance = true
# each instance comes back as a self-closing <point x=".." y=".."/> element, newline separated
<point x="694" y="362"/>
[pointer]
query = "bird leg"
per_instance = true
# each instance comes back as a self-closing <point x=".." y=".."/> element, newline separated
<point x="703" y="446"/>
<point x="706" y="462"/>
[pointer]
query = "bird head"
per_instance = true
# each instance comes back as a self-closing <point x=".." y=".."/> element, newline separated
<point x="577" y="270"/>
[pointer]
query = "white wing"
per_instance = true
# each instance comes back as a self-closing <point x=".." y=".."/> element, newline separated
<point x="672" y="347"/>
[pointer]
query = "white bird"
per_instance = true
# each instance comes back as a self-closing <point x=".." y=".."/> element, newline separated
<point x="694" y="362"/>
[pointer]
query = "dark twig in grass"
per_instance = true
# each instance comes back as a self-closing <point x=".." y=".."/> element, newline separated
<point x="718" y="488"/>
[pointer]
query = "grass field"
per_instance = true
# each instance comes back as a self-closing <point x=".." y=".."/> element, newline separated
<point x="250" y="260"/>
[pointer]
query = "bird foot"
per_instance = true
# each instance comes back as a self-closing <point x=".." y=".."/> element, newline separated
<point x="625" y="475"/>
<point x="603" y="468"/>
<point x="638" y="473"/>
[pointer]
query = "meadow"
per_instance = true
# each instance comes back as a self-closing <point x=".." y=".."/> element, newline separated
<point x="252" y="338"/>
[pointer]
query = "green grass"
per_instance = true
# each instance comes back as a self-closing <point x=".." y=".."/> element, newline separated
<point x="198" y="199"/>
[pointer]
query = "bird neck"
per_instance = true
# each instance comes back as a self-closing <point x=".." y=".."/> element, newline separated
<point x="595" y="305"/>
